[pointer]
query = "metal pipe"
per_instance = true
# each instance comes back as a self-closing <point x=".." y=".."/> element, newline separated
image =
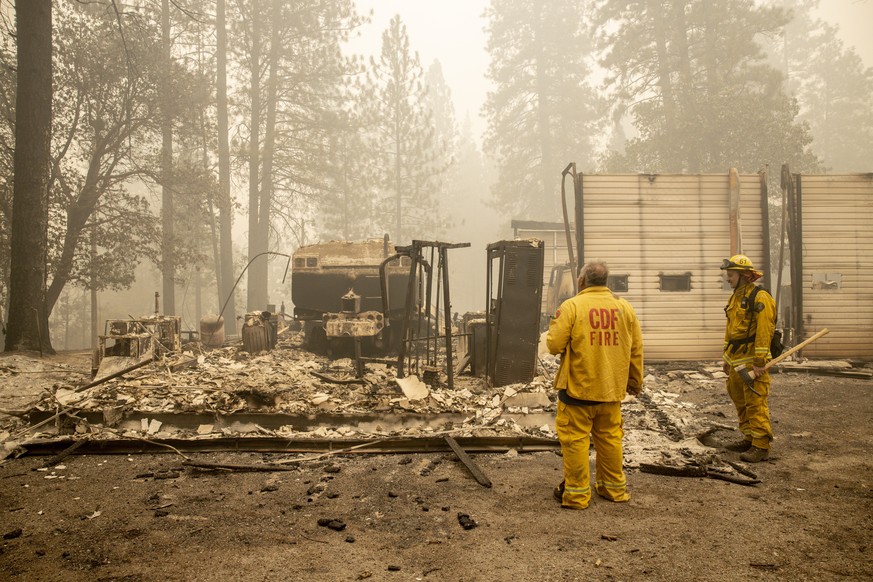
<point x="570" y="169"/>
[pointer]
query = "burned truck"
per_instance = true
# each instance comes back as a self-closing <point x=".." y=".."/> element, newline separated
<point x="348" y="293"/>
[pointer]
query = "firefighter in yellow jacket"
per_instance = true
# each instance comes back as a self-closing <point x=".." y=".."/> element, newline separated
<point x="750" y="327"/>
<point x="598" y="336"/>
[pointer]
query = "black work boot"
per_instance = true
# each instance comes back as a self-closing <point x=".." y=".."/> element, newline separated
<point x="755" y="455"/>
<point x="739" y="446"/>
<point x="559" y="492"/>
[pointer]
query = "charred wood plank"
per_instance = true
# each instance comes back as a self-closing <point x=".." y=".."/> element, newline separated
<point x="238" y="466"/>
<point x="468" y="462"/>
<point x="65" y="453"/>
<point x="673" y="471"/>
<point x="327" y="378"/>
<point x="115" y="375"/>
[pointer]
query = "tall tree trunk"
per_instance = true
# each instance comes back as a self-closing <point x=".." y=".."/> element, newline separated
<point x="210" y="202"/>
<point x="28" y="313"/>
<point x="225" y="279"/>
<point x="254" y="276"/>
<point x="266" y="201"/>
<point x="95" y="313"/>
<point x="398" y="186"/>
<point x="168" y="260"/>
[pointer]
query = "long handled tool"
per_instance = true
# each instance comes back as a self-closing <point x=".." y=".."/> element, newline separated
<point x="749" y="376"/>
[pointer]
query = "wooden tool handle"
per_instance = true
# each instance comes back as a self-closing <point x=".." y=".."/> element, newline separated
<point x="799" y="346"/>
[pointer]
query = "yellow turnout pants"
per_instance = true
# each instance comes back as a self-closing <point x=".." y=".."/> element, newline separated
<point x="603" y="423"/>
<point x="752" y="409"/>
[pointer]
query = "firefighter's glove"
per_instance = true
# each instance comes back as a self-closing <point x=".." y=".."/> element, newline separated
<point x="726" y="368"/>
<point x="634" y="390"/>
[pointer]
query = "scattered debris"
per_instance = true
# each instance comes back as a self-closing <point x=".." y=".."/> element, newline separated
<point x="334" y="524"/>
<point x="288" y="400"/>
<point x="413" y="388"/>
<point x="466" y="521"/>
<point x="704" y="466"/>
<point x="11" y="535"/>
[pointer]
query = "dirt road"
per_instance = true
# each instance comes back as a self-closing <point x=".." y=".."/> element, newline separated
<point x="398" y="517"/>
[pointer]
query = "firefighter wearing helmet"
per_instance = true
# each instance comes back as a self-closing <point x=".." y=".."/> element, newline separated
<point x="751" y="321"/>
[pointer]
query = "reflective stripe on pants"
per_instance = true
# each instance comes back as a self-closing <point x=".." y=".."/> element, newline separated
<point x="602" y="422"/>
<point x="753" y="410"/>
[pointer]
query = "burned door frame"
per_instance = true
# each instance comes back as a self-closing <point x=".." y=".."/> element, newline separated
<point x="512" y="319"/>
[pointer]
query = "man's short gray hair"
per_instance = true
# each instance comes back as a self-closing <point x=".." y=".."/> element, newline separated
<point x="595" y="272"/>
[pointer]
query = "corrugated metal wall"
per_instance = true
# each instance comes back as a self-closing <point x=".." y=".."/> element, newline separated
<point x="837" y="231"/>
<point x="646" y="226"/>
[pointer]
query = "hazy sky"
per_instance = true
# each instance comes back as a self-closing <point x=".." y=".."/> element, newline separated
<point x="451" y="31"/>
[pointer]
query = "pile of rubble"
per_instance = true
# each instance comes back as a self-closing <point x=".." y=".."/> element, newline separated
<point x="316" y="397"/>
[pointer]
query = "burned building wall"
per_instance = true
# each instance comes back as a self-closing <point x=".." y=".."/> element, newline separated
<point x="837" y="263"/>
<point x="664" y="237"/>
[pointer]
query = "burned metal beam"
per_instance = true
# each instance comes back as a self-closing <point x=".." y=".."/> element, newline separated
<point x="399" y="445"/>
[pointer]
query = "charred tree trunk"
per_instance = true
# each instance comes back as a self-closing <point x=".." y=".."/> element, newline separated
<point x="225" y="208"/>
<point x="28" y="312"/>
<point x="398" y="181"/>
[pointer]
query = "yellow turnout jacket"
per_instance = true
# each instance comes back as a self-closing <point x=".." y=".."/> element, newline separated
<point x="599" y="337"/>
<point x="747" y="338"/>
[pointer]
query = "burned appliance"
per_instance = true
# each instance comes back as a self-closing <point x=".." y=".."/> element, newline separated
<point x="260" y="331"/>
<point x="339" y="295"/>
<point x="130" y="341"/>
<point x="513" y="315"/>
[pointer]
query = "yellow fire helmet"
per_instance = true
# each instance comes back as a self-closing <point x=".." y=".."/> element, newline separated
<point x="739" y="263"/>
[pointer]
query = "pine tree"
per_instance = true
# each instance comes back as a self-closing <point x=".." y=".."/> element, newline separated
<point x="833" y="87"/>
<point x="692" y="76"/>
<point x="543" y="112"/>
<point x="295" y="72"/>
<point x="438" y="102"/>
<point x="408" y="159"/>
<point x="347" y="209"/>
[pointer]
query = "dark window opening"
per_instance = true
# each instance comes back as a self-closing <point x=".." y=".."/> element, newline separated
<point x="675" y="282"/>
<point x="617" y="283"/>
